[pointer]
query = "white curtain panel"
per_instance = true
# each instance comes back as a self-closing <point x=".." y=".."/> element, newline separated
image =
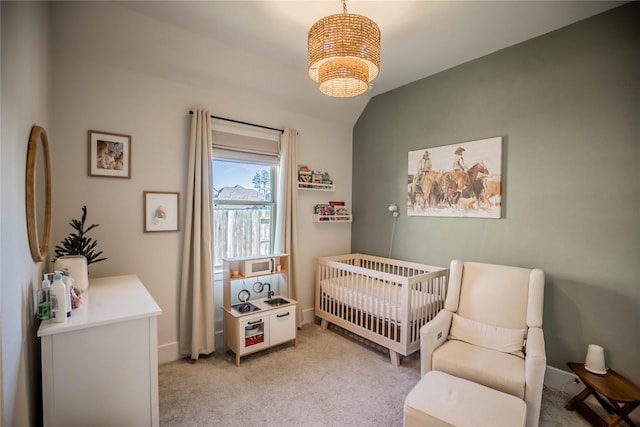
<point x="286" y="219"/>
<point x="197" y="323"/>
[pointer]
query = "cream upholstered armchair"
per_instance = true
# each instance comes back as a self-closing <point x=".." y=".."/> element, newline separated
<point x="490" y="331"/>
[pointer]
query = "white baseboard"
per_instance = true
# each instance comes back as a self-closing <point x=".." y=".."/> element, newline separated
<point x="168" y="352"/>
<point x="567" y="382"/>
<point x="308" y="316"/>
<point x="171" y="351"/>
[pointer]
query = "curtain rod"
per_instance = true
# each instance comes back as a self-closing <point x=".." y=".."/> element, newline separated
<point x="243" y="123"/>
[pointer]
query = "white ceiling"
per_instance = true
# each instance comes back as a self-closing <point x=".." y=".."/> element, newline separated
<point x="419" y="38"/>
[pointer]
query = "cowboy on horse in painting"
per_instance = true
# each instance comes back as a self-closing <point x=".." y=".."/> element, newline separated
<point x="458" y="164"/>
<point x="424" y="166"/>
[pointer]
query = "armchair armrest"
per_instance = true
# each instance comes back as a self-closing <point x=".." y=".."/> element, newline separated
<point x="536" y="357"/>
<point x="535" y="364"/>
<point x="432" y="335"/>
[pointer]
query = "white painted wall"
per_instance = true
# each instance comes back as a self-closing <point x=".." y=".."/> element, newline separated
<point x="25" y="99"/>
<point x="94" y="88"/>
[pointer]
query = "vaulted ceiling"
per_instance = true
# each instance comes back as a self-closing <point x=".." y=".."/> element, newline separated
<point x="419" y="39"/>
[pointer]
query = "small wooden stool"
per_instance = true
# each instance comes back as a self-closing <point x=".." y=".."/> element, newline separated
<point x="614" y="387"/>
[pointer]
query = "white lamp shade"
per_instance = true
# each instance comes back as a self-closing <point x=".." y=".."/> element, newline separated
<point x="594" y="362"/>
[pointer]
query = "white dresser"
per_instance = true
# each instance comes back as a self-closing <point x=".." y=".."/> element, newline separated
<point x="100" y="367"/>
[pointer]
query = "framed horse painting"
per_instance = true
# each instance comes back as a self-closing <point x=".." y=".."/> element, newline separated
<point x="458" y="180"/>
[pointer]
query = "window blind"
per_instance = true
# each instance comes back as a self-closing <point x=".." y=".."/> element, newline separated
<point x="236" y="143"/>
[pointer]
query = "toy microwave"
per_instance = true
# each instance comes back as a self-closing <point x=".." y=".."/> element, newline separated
<point x="257" y="267"/>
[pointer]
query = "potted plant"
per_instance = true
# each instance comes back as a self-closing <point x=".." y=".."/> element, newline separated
<point x="78" y="243"/>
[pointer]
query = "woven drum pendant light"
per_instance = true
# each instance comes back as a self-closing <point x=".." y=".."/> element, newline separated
<point x="344" y="53"/>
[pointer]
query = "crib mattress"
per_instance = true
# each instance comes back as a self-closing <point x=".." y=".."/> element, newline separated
<point x="378" y="297"/>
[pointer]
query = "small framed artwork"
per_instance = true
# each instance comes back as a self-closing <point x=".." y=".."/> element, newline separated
<point x="109" y="154"/>
<point x="161" y="211"/>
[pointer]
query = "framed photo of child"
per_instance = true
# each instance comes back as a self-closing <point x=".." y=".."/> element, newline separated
<point x="109" y="154"/>
<point x="161" y="211"/>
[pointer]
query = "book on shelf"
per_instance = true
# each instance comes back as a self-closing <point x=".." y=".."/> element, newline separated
<point x="331" y="211"/>
<point x="341" y="210"/>
<point x="323" y="209"/>
<point x="308" y="178"/>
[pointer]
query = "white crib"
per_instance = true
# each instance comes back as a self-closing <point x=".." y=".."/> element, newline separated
<point x="381" y="299"/>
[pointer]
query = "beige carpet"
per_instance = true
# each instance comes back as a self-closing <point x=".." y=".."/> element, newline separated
<point x="331" y="378"/>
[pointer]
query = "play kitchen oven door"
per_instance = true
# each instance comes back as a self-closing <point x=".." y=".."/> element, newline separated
<point x="257" y="267"/>
<point x="254" y="334"/>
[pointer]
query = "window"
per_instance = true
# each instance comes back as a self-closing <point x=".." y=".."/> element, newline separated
<point x="245" y="170"/>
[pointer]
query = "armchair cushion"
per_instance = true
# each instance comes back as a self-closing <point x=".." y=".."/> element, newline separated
<point x="501" y="371"/>
<point x="505" y="340"/>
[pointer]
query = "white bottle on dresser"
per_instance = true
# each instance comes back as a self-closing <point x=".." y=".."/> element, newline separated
<point x="58" y="298"/>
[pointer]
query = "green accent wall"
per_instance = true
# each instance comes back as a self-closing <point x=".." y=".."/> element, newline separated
<point x="567" y="105"/>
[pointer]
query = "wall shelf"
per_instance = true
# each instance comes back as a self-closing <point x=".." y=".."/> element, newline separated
<point x="315" y="186"/>
<point x="332" y="218"/>
<point x="331" y="211"/>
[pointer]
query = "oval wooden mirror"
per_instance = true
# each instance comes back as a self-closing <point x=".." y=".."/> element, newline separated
<point x="38" y="193"/>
